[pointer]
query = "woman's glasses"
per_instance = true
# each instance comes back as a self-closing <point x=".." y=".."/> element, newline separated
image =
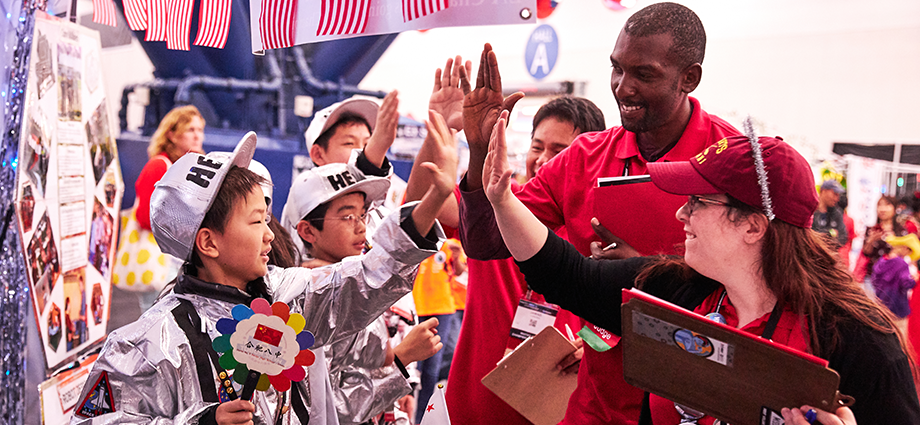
<point x="694" y="202"/>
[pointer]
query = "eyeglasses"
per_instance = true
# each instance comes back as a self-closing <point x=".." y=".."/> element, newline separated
<point x="694" y="202"/>
<point x="352" y="219"/>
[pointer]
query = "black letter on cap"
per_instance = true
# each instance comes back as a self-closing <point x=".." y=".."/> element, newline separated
<point x="200" y="176"/>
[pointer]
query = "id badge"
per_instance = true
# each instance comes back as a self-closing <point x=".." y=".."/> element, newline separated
<point x="530" y="318"/>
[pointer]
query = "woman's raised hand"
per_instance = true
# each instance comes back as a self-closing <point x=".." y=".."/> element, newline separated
<point x="496" y="172"/>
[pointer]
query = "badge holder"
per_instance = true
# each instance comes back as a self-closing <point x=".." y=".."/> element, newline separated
<point x="531" y="317"/>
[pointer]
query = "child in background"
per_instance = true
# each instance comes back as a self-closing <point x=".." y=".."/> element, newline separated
<point x="213" y="214"/>
<point x="895" y="274"/>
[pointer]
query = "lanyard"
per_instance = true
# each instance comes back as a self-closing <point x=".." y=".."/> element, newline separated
<point x="769" y="329"/>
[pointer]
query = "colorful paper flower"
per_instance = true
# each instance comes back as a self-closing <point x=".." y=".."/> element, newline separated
<point x="268" y="339"/>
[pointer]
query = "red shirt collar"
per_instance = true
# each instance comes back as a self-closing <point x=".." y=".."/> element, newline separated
<point x="685" y="148"/>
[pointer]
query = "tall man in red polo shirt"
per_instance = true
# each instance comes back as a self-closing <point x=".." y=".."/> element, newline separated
<point x="656" y="65"/>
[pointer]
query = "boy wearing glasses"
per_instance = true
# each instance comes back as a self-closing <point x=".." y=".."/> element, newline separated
<point x="327" y="209"/>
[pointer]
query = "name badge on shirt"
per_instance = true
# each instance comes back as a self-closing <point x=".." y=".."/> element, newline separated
<point x="530" y="318"/>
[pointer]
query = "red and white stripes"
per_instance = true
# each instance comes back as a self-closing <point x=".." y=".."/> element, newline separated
<point x="104" y="12"/>
<point x="213" y="23"/>
<point x="341" y="17"/>
<point x="276" y="23"/>
<point x="414" y="9"/>
<point x="136" y="14"/>
<point x="178" y="23"/>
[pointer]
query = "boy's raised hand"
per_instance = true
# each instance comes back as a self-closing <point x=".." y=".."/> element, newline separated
<point x="496" y="172"/>
<point x="449" y="88"/>
<point x="236" y="412"/>
<point x="384" y="130"/>
<point x="442" y="163"/>
<point x="442" y="166"/>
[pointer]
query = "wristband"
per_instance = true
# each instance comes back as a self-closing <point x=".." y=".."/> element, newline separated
<point x="402" y="368"/>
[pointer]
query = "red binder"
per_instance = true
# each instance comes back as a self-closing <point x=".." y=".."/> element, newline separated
<point x="634" y="209"/>
<point x="736" y="377"/>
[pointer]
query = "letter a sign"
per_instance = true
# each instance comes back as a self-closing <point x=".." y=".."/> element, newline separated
<point x="541" y="52"/>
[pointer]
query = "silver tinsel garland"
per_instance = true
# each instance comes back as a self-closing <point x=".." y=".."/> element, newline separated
<point x="761" y="170"/>
<point x="14" y="300"/>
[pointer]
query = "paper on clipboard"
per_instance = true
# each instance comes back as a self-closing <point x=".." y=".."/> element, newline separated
<point x="635" y="210"/>
<point x="686" y="358"/>
<point x="528" y="381"/>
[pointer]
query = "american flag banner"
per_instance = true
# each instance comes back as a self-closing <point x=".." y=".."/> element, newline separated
<point x="341" y="17"/>
<point x="104" y="12"/>
<point x="136" y="14"/>
<point x="276" y="23"/>
<point x="414" y="9"/>
<point x="284" y="23"/>
<point x="178" y="24"/>
<point x="213" y="23"/>
<point x="156" y="20"/>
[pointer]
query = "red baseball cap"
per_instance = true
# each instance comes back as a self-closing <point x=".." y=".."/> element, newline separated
<point x="728" y="167"/>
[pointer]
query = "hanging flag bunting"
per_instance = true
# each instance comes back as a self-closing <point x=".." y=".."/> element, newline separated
<point x="104" y="12"/>
<point x="156" y="20"/>
<point x="276" y="23"/>
<point x="136" y="14"/>
<point x="214" y="23"/>
<point x="340" y="17"/>
<point x="413" y="9"/>
<point x="178" y="24"/>
<point x="284" y="23"/>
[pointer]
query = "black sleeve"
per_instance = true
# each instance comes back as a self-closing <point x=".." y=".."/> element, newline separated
<point x="210" y="416"/>
<point x="369" y="169"/>
<point x="875" y="371"/>
<point x="429" y="241"/>
<point x="592" y="289"/>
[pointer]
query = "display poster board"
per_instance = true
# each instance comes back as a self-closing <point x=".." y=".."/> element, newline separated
<point x="68" y="189"/>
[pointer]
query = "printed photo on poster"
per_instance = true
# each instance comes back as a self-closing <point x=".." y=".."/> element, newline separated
<point x="70" y="102"/>
<point x="109" y="189"/>
<point x="37" y="155"/>
<point x="43" y="291"/>
<point x="43" y="255"/>
<point x="54" y="327"/>
<point x="76" y="329"/>
<point x="98" y="304"/>
<point x="44" y="71"/>
<point x="100" y="239"/>
<point x="101" y="150"/>
<point x="26" y="207"/>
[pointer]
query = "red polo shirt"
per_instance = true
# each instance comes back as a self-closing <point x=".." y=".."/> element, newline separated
<point x="561" y="197"/>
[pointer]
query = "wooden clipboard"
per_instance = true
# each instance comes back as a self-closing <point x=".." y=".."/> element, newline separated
<point x="528" y="381"/>
<point x="640" y="213"/>
<point x="734" y="376"/>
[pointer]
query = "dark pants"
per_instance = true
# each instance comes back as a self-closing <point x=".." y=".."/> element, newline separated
<point x="431" y="366"/>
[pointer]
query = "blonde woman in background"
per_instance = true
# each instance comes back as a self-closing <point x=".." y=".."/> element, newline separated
<point x="181" y="131"/>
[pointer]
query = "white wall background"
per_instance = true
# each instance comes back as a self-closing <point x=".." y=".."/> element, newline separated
<point x="812" y="71"/>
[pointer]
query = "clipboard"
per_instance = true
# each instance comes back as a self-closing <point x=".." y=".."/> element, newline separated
<point x="640" y="213"/>
<point x="528" y="381"/>
<point x="731" y="375"/>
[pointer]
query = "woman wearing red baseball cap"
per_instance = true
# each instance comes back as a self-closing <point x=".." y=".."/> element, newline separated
<point x="751" y="261"/>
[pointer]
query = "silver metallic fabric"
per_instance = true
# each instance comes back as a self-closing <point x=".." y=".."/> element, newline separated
<point x="151" y="368"/>
<point x="362" y="386"/>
